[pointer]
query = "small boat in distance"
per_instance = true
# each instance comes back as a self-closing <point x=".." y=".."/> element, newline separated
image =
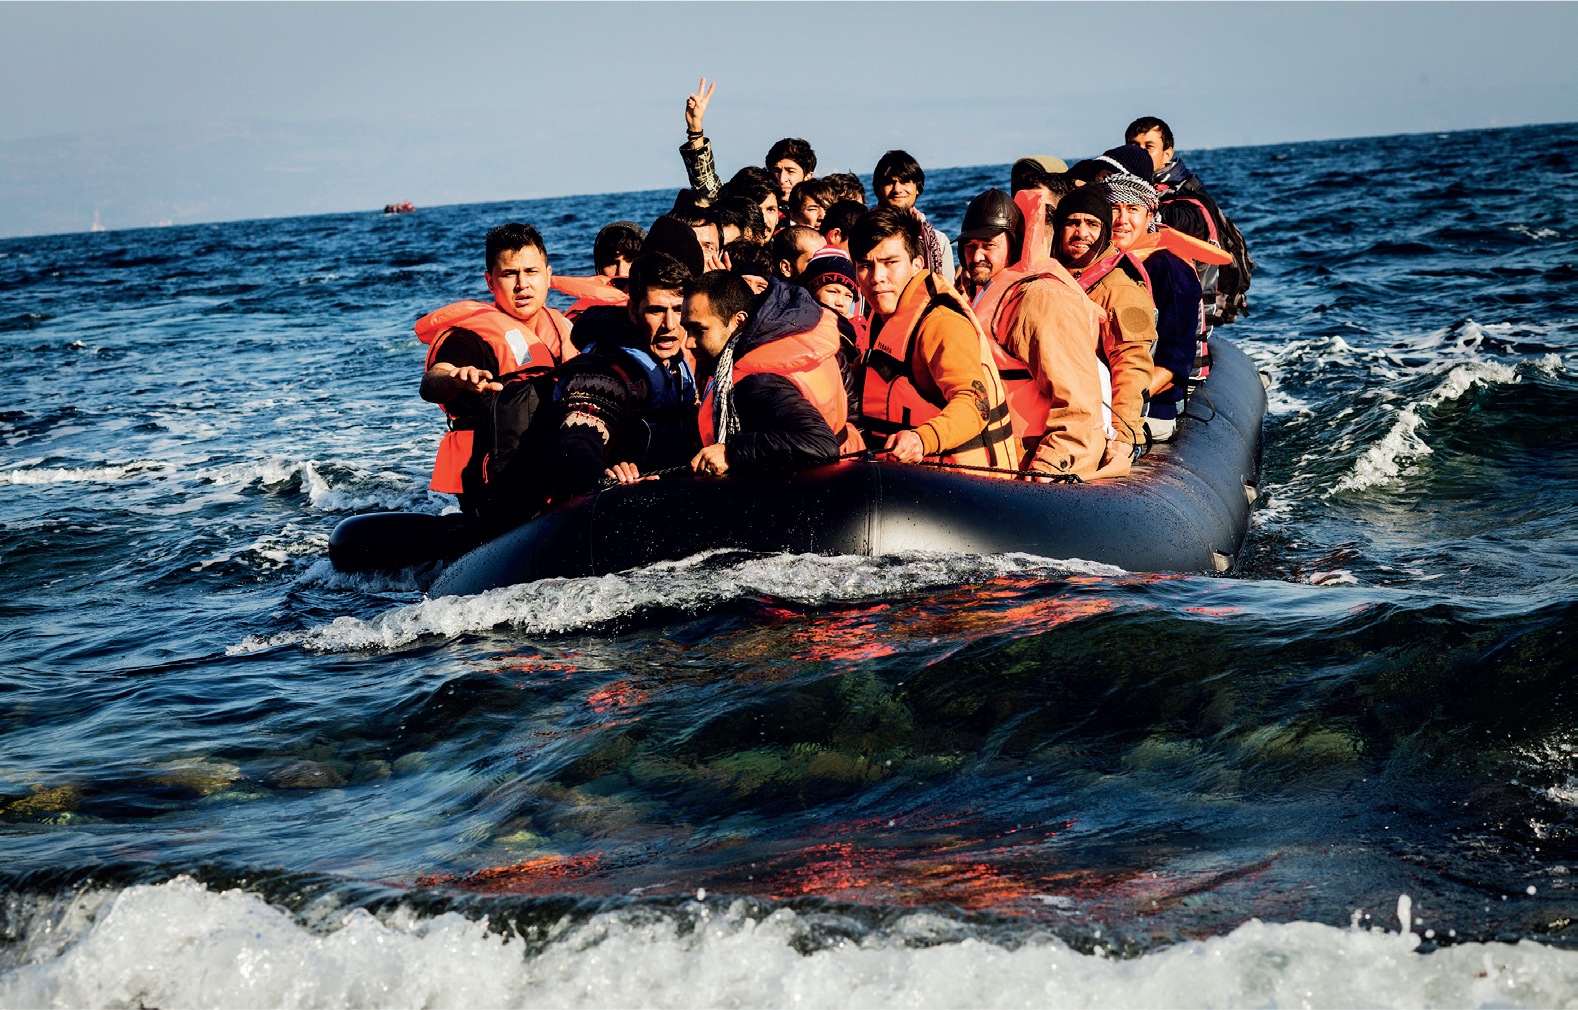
<point x="404" y="207"/>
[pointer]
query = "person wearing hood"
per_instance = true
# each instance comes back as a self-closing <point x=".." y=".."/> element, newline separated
<point x="1048" y="334"/>
<point x="1117" y="283"/>
<point x="775" y="398"/>
<point x="1175" y="289"/>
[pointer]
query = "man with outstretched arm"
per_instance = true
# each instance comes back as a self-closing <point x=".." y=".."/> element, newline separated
<point x="471" y="344"/>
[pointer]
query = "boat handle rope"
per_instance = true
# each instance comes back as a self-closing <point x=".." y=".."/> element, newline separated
<point x="1054" y="478"/>
<point x="870" y="456"/>
<point x="1208" y="403"/>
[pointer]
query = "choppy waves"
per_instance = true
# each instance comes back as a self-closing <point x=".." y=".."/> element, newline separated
<point x="181" y="944"/>
<point x="559" y="605"/>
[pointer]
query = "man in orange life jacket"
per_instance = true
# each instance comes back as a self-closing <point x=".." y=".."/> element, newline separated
<point x="930" y="386"/>
<point x="1116" y="282"/>
<point x="470" y="344"/>
<point x="776" y="398"/>
<point x="1048" y="331"/>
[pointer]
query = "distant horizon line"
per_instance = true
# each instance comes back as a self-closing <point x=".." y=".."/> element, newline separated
<point x="656" y="189"/>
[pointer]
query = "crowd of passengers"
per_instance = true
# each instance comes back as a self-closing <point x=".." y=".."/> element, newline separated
<point x="777" y="320"/>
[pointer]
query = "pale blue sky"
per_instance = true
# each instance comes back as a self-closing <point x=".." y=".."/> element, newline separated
<point x="190" y="112"/>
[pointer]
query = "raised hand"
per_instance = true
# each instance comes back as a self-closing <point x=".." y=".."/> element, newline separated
<point x="696" y="105"/>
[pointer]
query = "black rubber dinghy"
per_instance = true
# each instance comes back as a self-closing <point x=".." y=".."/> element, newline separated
<point x="1184" y="508"/>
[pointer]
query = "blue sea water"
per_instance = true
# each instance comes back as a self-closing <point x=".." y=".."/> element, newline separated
<point x="1343" y="776"/>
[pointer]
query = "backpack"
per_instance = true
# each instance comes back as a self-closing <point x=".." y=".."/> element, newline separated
<point x="1232" y="280"/>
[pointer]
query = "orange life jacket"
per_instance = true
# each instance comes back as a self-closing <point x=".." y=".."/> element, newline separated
<point x="544" y="342"/>
<point x="588" y="291"/>
<point x="1180" y="244"/>
<point x="890" y="400"/>
<point x="808" y="359"/>
<point x="997" y="306"/>
<point x="1175" y="242"/>
<point x="1102" y="267"/>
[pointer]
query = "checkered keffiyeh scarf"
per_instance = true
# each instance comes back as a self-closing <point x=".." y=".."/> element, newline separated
<point x="932" y="245"/>
<point x="725" y="421"/>
<point x="1126" y="188"/>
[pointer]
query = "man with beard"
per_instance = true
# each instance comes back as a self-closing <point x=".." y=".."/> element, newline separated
<point x="631" y="403"/>
<point x="1047" y="331"/>
<point x="1117" y="283"/>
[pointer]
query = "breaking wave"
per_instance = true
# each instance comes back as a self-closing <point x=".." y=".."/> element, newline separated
<point x="553" y="606"/>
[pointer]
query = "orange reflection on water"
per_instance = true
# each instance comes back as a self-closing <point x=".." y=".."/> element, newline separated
<point x="619" y="695"/>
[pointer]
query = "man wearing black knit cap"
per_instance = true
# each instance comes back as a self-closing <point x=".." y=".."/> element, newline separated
<point x="1130" y="158"/>
<point x="1082" y="242"/>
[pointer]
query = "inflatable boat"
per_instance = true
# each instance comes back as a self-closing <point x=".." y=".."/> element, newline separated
<point x="1184" y="508"/>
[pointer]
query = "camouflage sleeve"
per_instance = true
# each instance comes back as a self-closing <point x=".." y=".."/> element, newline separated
<point x="698" y="166"/>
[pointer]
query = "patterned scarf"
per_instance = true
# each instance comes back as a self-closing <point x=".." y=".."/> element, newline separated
<point x="725" y="421"/>
<point x="932" y="243"/>
<point x="1126" y="188"/>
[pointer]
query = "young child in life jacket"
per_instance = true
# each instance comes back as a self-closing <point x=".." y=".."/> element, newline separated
<point x="830" y="277"/>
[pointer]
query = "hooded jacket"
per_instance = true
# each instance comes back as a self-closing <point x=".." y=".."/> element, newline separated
<point x="788" y="392"/>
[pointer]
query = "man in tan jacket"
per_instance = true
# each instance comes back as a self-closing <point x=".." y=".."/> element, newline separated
<point x="1049" y="333"/>
<point x="931" y="387"/>
<point x="1116" y="282"/>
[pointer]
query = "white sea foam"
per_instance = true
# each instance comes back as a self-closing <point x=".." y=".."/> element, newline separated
<point x="179" y="944"/>
<point x="560" y="605"/>
<point x="1384" y="460"/>
<point x="272" y="550"/>
<point x="322" y="575"/>
<point x="86" y="474"/>
<point x="358" y="489"/>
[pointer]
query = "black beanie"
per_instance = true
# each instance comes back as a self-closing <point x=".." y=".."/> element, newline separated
<point x="1090" y="200"/>
<point x="1134" y="159"/>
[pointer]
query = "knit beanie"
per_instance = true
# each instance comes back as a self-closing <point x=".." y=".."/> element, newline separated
<point x="1130" y="158"/>
<point x="828" y="266"/>
<point x="1090" y="200"/>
